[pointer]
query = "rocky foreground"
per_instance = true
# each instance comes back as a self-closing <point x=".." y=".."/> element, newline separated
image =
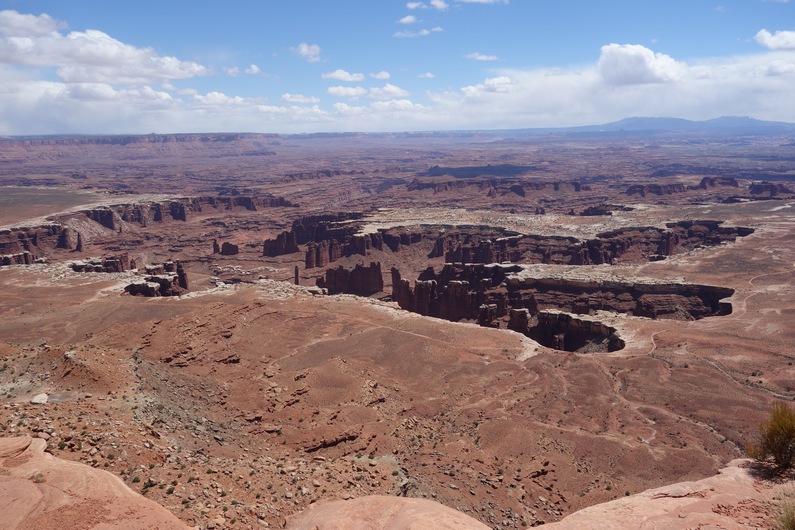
<point x="38" y="490"/>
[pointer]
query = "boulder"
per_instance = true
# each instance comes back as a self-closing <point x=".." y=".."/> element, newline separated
<point x="47" y="493"/>
<point x="376" y="512"/>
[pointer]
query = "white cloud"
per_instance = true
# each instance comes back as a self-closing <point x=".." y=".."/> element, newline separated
<point x="408" y="19"/>
<point x="233" y="71"/>
<point x="346" y="91"/>
<point x="383" y="74"/>
<point x="253" y="69"/>
<point x="395" y="105"/>
<point x="477" y="56"/>
<point x="310" y="52"/>
<point x="342" y="75"/>
<point x="388" y="91"/>
<point x="632" y="64"/>
<point x="501" y="84"/>
<point x="14" y="24"/>
<point x="420" y="33"/>
<point x="299" y="98"/>
<point x="344" y="108"/>
<point x="218" y="99"/>
<point x="416" y="5"/>
<point x="441" y="5"/>
<point x="781" y="40"/>
<point x="87" y="57"/>
<point x="776" y="68"/>
<point x="426" y="75"/>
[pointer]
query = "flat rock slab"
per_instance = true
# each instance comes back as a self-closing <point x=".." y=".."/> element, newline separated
<point x="377" y="512"/>
<point x="38" y="490"/>
<point x="39" y="399"/>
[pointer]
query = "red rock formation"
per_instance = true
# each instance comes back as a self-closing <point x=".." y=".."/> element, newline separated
<point x="284" y="243"/>
<point x="562" y="331"/>
<point x="460" y="292"/>
<point x="656" y="189"/>
<point x="104" y="216"/>
<point x="39" y="240"/>
<point x="769" y="189"/>
<point x="182" y="276"/>
<point x="22" y="258"/>
<point x="360" y="280"/>
<point x="382" y="513"/>
<point x="153" y="286"/>
<point x="229" y="249"/>
<point x="47" y="493"/>
<point x="626" y="245"/>
<point x="112" y="263"/>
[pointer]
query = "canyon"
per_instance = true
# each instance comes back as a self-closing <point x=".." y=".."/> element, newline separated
<point x="247" y="328"/>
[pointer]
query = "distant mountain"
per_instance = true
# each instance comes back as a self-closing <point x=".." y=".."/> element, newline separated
<point x="725" y="123"/>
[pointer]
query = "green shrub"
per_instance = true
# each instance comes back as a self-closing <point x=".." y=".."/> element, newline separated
<point x="776" y="437"/>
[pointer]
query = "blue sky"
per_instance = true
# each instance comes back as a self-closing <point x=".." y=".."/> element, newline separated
<point x="87" y="66"/>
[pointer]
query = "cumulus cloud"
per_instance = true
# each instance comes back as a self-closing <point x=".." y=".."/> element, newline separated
<point x="501" y="84"/>
<point x="383" y="74"/>
<point x="388" y="91"/>
<point x="253" y="69"/>
<point x="346" y="91"/>
<point x="420" y="33"/>
<point x="299" y="98"/>
<point x="780" y="40"/>
<point x="233" y="71"/>
<point x="426" y="75"/>
<point x="86" y="56"/>
<point x="342" y="75"/>
<point x="776" y="68"/>
<point x="416" y="5"/>
<point x="632" y="64"/>
<point x="310" y="52"/>
<point x="395" y="104"/>
<point x="477" y="56"/>
<point x="14" y="24"/>
<point x="218" y="99"/>
<point x="408" y="19"/>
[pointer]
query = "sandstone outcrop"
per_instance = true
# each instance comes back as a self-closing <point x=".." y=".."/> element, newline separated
<point x="382" y="513"/>
<point x="153" y="286"/>
<point x="229" y="249"/>
<point x="40" y="491"/>
<point x="177" y="209"/>
<point x="734" y="499"/>
<point x="112" y="263"/>
<point x="165" y="279"/>
<point x="494" y="296"/>
<point x="443" y="295"/>
<point x="769" y="189"/>
<point x="655" y="189"/>
<point x="283" y="244"/>
<point x="360" y="280"/>
<point x="21" y="258"/>
<point x="625" y="245"/>
<point x="37" y="240"/>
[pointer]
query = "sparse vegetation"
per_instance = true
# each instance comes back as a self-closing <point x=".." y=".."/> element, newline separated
<point x="776" y="438"/>
<point x="785" y="518"/>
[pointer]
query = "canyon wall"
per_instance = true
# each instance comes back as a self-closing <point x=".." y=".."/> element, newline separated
<point x="626" y="245"/>
<point x="360" y="280"/>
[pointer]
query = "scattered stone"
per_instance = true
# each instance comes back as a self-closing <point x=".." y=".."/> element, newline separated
<point x="40" y="399"/>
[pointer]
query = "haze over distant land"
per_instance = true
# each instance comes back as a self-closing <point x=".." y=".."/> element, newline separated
<point x="305" y="67"/>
